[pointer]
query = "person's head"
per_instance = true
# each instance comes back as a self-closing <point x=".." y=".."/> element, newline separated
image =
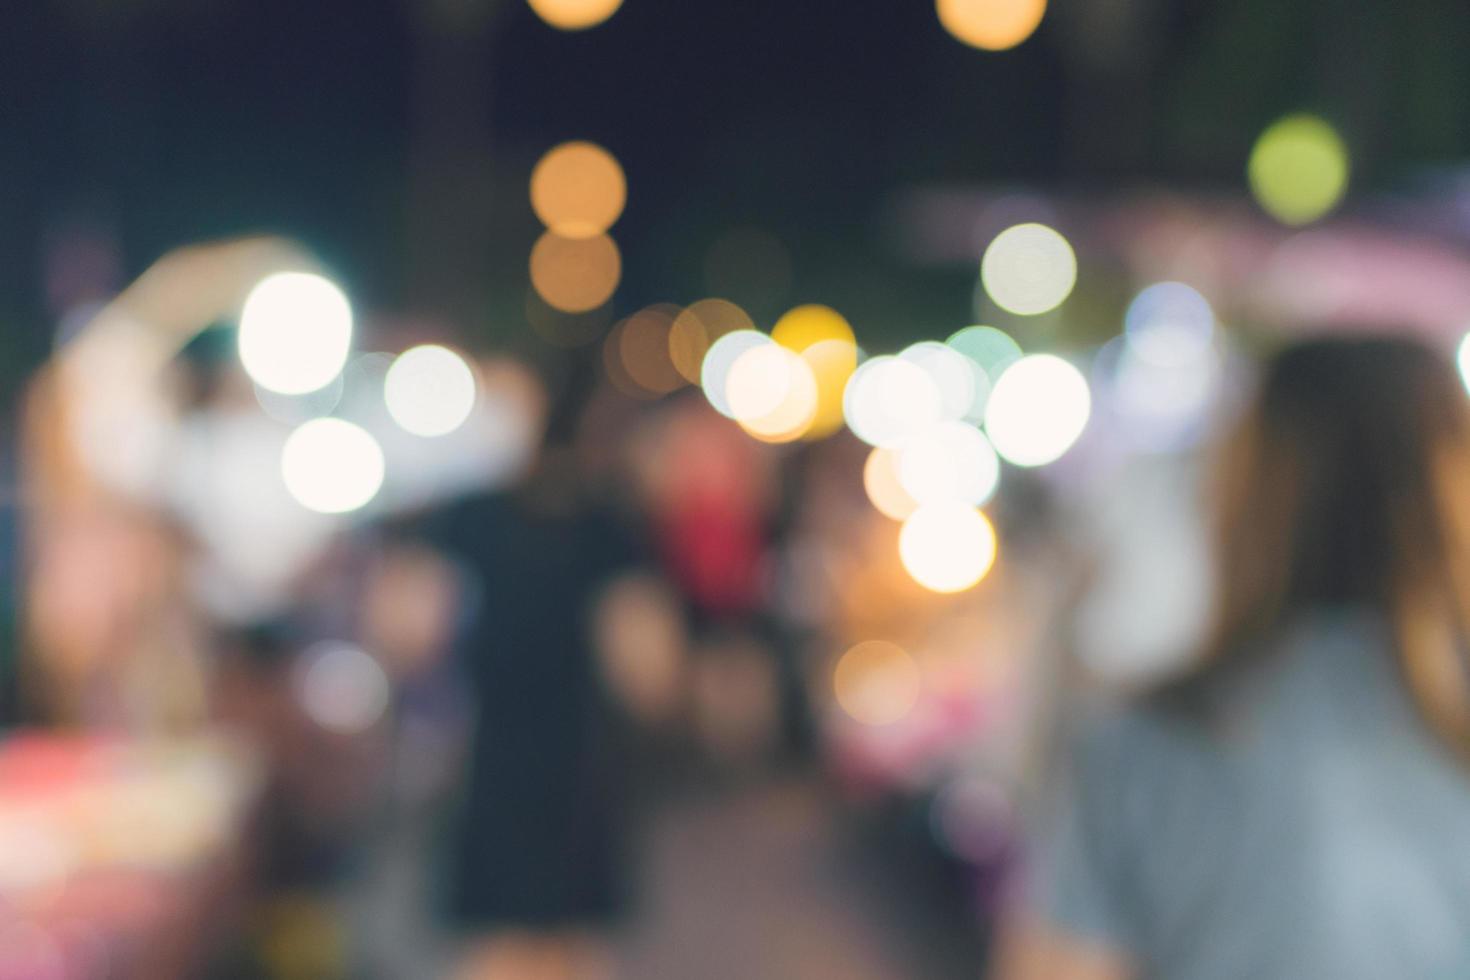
<point x="1348" y="483"/>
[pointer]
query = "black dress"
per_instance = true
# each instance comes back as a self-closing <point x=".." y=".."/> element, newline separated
<point x="538" y="841"/>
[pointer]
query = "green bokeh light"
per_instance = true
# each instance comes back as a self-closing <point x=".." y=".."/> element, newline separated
<point x="1298" y="169"/>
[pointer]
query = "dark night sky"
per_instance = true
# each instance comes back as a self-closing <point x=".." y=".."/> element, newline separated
<point x="176" y="120"/>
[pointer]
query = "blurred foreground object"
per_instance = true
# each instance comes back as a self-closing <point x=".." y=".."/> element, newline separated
<point x="110" y="635"/>
<point x="118" y="855"/>
<point x="1295" y="801"/>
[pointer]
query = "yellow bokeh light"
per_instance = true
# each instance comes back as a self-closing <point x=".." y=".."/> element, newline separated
<point x="811" y="324"/>
<point x="617" y="373"/>
<point x="992" y="25"/>
<point x="773" y="393"/>
<point x="643" y="349"/>
<point x="1298" y="169"/>
<point x="947" y="547"/>
<point x="832" y="363"/>
<point x="877" y="683"/>
<point x="578" y="190"/>
<point x="575" y="15"/>
<point x="1029" y="269"/>
<point x="885" y="492"/>
<point x="575" y="275"/>
<point x="697" y="328"/>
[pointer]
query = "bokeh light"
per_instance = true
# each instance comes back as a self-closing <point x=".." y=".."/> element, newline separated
<point x="575" y="275"/>
<point x="575" y="15"/>
<point x="991" y="25"/>
<point x="578" y="190"/>
<point x="889" y="400"/>
<point x="362" y="390"/>
<point x="697" y="327"/>
<point x="772" y="393"/>
<point x="714" y="374"/>
<point x="1170" y="324"/>
<point x="1462" y="359"/>
<point x="617" y="373"/>
<point x="877" y="683"/>
<point x="341" y="687"/>
<point x="957" y="378"/>
<point x="1161" y="407"/>
<point x="295" y="332"/>
<point x="429" y="390"/>
<point x="811" y="324"/>
<point x="882" y="485"/>
<point x="1037" y="410"/>
<point x="1298" y="169"/>
<point x="643" y="349"/>
<point x="832" y="363"/>
<point x="1029" y="269"/>
<point x="295" y="409"/>
<point x="992" y="349"/>
<point x="951" y="463"/>
<point x="947" y="547"/>
<point x="759" y="381"/>
<point x="331" y="466"/>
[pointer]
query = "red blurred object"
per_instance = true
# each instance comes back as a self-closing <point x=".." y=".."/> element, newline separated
<point x="715" y="550"/>
<point x="710" y="514"/>
<point x="41" y="764"/>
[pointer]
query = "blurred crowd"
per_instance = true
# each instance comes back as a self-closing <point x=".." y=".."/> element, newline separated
<point x="393" y="585"/>
<point x="581" y="607"/>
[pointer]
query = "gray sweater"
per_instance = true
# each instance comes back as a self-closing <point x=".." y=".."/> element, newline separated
<point x="1319" y="832"/>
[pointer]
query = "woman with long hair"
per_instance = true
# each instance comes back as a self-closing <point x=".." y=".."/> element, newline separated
<point x="1297" y="803"/>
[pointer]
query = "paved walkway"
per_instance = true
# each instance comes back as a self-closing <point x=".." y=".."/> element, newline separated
<point x="766" y="884"/>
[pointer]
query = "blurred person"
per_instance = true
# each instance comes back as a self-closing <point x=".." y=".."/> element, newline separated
<point x="1297" y="804"/>
<point x="109" y="642"/>
<point x="711" y="490"/>
<point x="537" y="874"/>
<point x="110" y="632"/>
<point x="711" y="494"/>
